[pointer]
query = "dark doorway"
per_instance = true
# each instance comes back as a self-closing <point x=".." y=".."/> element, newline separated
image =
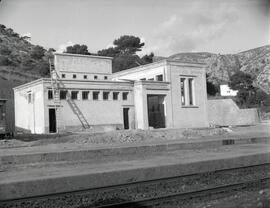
<point x="52" y="120"/>
<point x="125" y="116"/>
<point x="156" y="115"/>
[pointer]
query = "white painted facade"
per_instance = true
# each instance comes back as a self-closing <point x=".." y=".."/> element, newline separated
<point x="225" y="90"/>
<point x="165" y="94"/>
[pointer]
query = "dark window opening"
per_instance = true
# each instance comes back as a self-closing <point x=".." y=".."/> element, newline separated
<point x="74" y="95"/>
<point x="74" y="76"/>
<point x="159" y="77"/>
<point x="85" y="76"/>
<point x="95" y="95"/>
<point x="190" y="87"/>
<point x="63" y="94"/>
<point x="182" y="85"/>
<point x="105" y="77"/>
<point x="50" y="94"/>
<point x="95" y="77"/>
<point x="124" y="95"/>
<point x="85" y="95"/>
<point x="105" y="95"/>
<point x="143" y="79"/>
<point x="115" y="95"/>
<point x="63" y="76"/>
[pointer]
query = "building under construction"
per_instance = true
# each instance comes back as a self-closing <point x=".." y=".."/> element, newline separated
<point x="83" y="93"/>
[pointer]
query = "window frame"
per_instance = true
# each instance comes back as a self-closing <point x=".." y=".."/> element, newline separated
<point x="187" y="91"/>
<point x="117" y="95"/>
<point x="63" y="92"/>
<point x="74" y="76"/>
<point x="50" y="94"/>
<point x="105" y="95"/>
<point x="124" y="95"/>
<point x="95" y="93"/>
<point x="85" y="93"/>
<point x="72" y="93"/>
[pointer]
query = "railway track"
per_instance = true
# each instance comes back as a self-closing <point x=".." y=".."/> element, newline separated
<point x="156" y="193"/>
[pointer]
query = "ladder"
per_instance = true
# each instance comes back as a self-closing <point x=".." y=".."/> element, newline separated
<point x="56" y="84"/>
<point x="56" y="96"/>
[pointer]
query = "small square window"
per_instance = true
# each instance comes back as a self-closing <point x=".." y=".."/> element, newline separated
<point x="63" y="76"/>
<point x="50" y="94"/>
<point x="85" y="76"/>
<point x="105" y="95"/>
<point x="85" y="95"/>
<point x="125" y="95"/>
<point x="74" y="76"/>
<point x="63" y="94"/>
<point x="74" y="95"/>
<point x="95" y="95"/>
<point x="159" y="77"/>
<point x="95" y="77"/>
<point x="105" y="77"/>
<point x="115" y="95"/>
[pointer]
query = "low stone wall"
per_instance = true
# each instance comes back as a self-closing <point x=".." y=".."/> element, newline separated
<point x="224" y="112"/>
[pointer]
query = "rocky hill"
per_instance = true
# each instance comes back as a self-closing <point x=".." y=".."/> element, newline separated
<point x="220" y="67"/>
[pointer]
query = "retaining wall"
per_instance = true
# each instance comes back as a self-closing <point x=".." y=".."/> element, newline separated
<point x="225" y="112"/>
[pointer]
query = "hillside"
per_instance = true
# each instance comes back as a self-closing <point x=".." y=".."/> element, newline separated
<point x="220" y="67"/>
<point x="21" y="61"/>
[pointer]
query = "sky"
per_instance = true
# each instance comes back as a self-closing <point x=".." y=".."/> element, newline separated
<point x="166" y="26"/>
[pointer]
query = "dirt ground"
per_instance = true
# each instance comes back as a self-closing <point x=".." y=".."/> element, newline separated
<point x="132" y="136"/>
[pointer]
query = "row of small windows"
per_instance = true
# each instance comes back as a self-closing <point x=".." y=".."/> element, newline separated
<point x="74" y="76"/>
<point x="157" y="78"/>
<point x="85" y="95"/>
<point x="187" y="91"/>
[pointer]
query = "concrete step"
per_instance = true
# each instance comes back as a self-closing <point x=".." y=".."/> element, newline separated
<point x="36" y="180"/>
<point x="52" y="153"/>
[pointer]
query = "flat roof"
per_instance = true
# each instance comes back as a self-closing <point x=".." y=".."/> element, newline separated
<point x="85" y="56"/>
<point x="158" y="63"/>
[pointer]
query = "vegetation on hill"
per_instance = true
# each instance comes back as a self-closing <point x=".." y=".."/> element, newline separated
<point x="21" y="59"/>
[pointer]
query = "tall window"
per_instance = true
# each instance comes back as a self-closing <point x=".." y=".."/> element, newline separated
<point x="85" y="95"/>
<point x="190" y="90"/>
<point x="182" y="85"/>
<point x="125" y="95"/>
<point x="74" y="76"/>
<point x="105" y="95"/>
<point x="187" y="91"/>
<point x="115" y="95"/>
<point x="74" y="95"/>
<point x="95" y="95"/>
<point x="63" y="94"/>
<point x="50" y="94"/>
<point x="29" y="97"/>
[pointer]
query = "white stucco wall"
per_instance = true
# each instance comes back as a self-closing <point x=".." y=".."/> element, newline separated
<point x="29" y="116"/>
<point x="82" y="65"/>
<point x="188" y="116"/>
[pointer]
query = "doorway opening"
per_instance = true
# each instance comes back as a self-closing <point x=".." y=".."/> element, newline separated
<point x="156" y="112"/>
<point x="52" y="120"/>
<point x="126" y="118"/>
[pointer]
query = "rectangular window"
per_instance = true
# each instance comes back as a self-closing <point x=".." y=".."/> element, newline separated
<point x="50" y="94"/>
<point x="74" y="95"/>
<point x="105" y="95"/>
<point x="74" y="76"/>
<point x="63" y="75"/>
<point x="187" y="91"/>
<point x="190" y="90"/>
<point x="29" y="97"/>
<point x="105" y="77"/>
<point x="151" y="79"/>
<point x="159" y="77"/>
<point x="143" y="79"/>
<point x="124" y="95"/>
<point x="85" y="95"/>
<point x="95" y="95"/>
<point x="63" y="94"/>
<point x="95" y="77"/>
<point x="85" y="76"/>
<point x="115" y="95"/>
<point x="183" y="94"/>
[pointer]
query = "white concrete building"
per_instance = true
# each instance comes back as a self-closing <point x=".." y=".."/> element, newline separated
<point x="84" y="93"/>
<point x="225" y="90"/>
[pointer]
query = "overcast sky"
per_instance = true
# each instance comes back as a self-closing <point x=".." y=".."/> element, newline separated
<point x="166" y="26"/>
